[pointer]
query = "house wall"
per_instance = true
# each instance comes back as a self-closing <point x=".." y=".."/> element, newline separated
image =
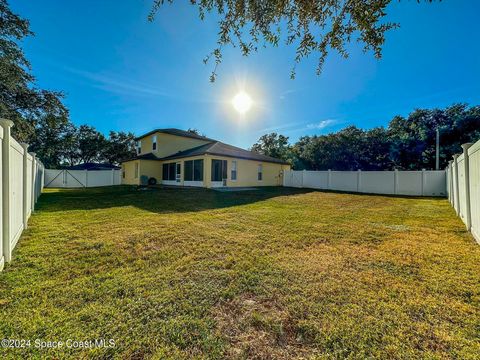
<point x="168" y="144"/>
<point x="247" y="172"/>
<point x="129" y="169"/>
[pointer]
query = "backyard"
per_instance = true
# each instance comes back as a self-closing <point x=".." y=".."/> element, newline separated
<point x="272" y="273"/>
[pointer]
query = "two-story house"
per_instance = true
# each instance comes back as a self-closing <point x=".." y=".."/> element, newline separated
<point x="177" y="157"/>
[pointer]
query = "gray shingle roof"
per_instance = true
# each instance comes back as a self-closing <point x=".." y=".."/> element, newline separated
<point x="176" y="132"/>
<point x="222" y="149"/>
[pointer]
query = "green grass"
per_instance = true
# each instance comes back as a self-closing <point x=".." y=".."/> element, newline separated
<point x="276" y="273"/>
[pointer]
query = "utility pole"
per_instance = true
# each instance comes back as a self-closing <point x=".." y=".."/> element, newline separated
<point x="437" y="152"/>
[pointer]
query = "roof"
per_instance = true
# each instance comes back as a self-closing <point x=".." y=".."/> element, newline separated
<point x="176" y="132"/>
<point x="222" y="149"/>
<point x="93" y="166"/>
<point x="148" y="156"/>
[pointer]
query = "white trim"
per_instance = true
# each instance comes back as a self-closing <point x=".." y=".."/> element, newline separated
<point x="193" y="183"/>
<point x="217" y="183"/>
<point x="171" y="182"/>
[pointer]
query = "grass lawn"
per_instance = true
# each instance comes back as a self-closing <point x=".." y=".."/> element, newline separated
<point x="274" y="273"/>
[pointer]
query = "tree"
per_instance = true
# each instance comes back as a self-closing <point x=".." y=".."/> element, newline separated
<point x="119" y="146"/>
<point x="311" y="26"/>
<point x="273" y="145"/>
<point x="91" y="144"/>
<point x="20" y="100"/>
<point x="48" y="141"/>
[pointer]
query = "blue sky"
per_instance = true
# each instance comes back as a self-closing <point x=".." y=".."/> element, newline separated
<point x="121" y="72"/>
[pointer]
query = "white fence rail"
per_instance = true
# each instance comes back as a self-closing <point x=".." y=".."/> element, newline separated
<point x="463" y="185"/>
<point x="21" y="183"/>
<point x="82" y="178"/>
<point x="414" y="183"/>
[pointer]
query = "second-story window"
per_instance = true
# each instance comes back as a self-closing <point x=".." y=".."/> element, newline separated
<point x="139" y="146"/>
<point x="154" y="142"/>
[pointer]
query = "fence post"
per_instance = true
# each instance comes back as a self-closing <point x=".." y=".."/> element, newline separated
<point x="456" y="191"/>
<point x="423" y="182"/>
<point x="468" y="215"/>
<point x="359" y="180"/>
<point x="25" y="185"/>
<point x="86" y="178"/>
<point x="34" y="182"/>
<point x="395" y="181"/>
<point x="7" y="251"/>
<point x="329" y="179"/>
<point x="113" y="176"/>
<point x="450" y="185"/>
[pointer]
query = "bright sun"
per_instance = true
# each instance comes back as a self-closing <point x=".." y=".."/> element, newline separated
<point x="242" y="102"/>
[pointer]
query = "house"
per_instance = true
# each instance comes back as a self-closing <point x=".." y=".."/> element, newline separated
<point x="177" y="157"/>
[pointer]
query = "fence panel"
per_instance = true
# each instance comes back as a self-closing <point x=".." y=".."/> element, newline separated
<point x="18" y="182"/>
<point x="474" y="177"/>
<point x="414" y="183"/>
<point x="377" y="182"/>
<point x="343" y="180"/>
<point x="81" y="178"/>
<point x="315" y="179"/>
<point x="16" y="191"/>
<point x="461" y="188"/>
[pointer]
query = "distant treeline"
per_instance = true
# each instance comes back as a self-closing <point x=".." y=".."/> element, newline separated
<point x="406" y="144"/>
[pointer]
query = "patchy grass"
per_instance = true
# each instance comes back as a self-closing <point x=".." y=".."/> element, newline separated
<point x="275" y="273"/>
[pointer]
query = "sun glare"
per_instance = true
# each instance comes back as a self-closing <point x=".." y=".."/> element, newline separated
<point x="242" y="102"/>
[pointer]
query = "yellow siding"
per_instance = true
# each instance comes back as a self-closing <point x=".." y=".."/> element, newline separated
<point x="247" y="172"/>
<point x="128" y="173"/>
<point x="168" y="144"/>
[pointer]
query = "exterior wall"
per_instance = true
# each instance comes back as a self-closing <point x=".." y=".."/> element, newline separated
<point x="168" y="144"/>
<point x="247" y="172"/>
<point x="128" y="168"/>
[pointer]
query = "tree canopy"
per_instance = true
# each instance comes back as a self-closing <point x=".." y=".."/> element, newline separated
<point x="313" y="27"/>
<point x="40" y="118"/>
<point x="406" y="144"/>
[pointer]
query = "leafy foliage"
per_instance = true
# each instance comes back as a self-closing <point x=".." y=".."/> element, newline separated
<point x="407" y="143"/>
<point x="20" y="99"/>
<point x="313" y="27"/>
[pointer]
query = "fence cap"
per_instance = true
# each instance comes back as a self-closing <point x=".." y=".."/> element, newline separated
<point x="6" y="122"/>
<point x="24" y="145"/>
<point x="455" y="156"/>
<point x="466" y="146"/>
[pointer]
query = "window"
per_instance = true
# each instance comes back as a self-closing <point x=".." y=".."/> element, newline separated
<point x="123" y="174"/>
<point x="219" y="170"/>
<point x="198" y="170"/>
<point x="234" y="170"/>
<point x="260" y="172"/>
<point x="154" y="142"/>
<point x="136" y="170"/>
<point x="139" y="147"/>
<point x="169" y="171"/>
<point x="179" y="172"/>
<point x="165" y="172"/>
<point x="193" y="170"/>
<point x="188" y="169"/>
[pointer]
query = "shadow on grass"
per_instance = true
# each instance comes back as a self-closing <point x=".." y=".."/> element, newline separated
<point x="158" y="200"/>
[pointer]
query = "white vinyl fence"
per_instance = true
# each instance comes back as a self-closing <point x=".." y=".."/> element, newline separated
<point x="414" y="183"/>
<point x="463" y="186"/>
<point x="82" y="178"/>
<point x="21" y="184"/>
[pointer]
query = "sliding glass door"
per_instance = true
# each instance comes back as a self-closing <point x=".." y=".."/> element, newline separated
<point x="219" y="171"/>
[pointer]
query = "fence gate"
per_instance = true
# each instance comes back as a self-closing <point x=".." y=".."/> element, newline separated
<point x="65" y="178"/>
